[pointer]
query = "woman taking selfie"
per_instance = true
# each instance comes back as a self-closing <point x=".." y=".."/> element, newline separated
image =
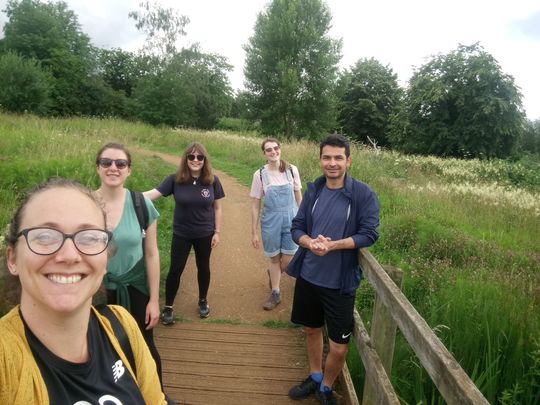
<point x="197" y="222"/>
<point x="55" y="348"/>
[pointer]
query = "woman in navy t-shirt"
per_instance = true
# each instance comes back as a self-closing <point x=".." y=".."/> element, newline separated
<point x="197" y="222"/>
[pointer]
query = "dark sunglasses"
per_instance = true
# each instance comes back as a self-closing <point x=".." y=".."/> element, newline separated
<point x="275" y="148"/>
<point x="119" y="163"/>
<point x="200" y="158"/>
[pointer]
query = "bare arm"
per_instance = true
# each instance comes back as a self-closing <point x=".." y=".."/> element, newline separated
<point x="152" y="194"/>
<point x="255" y="213"/>
<point x="151" y="256"/>
<point x="298" y="197"/>
<point x="217" y="220"/>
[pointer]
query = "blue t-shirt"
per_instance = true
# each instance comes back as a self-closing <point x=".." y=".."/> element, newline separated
<point x="330" y="215"/>
<point x="194" y="215"/>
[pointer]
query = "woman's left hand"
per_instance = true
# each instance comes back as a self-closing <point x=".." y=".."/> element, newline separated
<point x="152" y="314"/>
<point x="215" y="240"/>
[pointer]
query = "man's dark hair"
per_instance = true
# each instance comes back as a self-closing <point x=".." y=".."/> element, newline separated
<point x="337" y="140"/>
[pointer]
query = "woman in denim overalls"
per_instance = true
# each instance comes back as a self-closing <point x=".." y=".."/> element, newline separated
<point x="279" y="183"/>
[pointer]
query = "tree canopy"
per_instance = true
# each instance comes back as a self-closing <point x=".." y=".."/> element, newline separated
<point x="51" y="34"/>
<point x="370" y="95"/>
<point x="290" y="69"/>
<point x="461" y="105"/>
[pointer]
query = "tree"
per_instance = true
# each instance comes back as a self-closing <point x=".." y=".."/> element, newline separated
<point x="461" y="105"/>
<point x="162" y="26"/>
<point x="290" y="68"/>
<point x="192" y="90"/>
<point x="531" y="137"/>
<point x="119" y="69"/>
<point x="50" y="33"/>
<point x="370" y="96"/>
<point x="25" y="86"/>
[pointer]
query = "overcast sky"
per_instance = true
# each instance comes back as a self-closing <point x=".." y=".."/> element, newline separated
<point x="400" y="33"/>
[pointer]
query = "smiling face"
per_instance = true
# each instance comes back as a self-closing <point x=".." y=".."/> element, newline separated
<point x="65" y="281"/>
<point x="196" y="165"/>
<point x="113" y="176"/>
<point x="334" y="163"/>
<point x="272" y="151"/>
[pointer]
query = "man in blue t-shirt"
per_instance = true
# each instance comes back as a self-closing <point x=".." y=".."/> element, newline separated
<point x="338" y="216"/>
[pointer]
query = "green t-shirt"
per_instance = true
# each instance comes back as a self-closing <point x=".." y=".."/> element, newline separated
<point x="127" y="239"/>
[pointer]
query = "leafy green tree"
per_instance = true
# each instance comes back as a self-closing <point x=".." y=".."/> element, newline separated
<point x="291" y="66"/>
<point x="51" y="34"/>
<point x="25" y="86"/>
<point x="119" y="69"/>
<point x="461" y="105"/>
<point x="370" y="96"/>
<point x="531" y="137"/>
<point x="192" y="90"/>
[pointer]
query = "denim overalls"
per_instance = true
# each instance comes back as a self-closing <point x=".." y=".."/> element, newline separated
<point x="278" y="212"/>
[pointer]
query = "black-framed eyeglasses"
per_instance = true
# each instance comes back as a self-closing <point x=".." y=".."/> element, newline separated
<point x="274" y="148"/>
<point x="119" y="163"/>
<point x="191" y="157"/>
<point x="46" y="241"/>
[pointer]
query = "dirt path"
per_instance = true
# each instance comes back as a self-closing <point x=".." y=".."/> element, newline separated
<point x="239" y="284"/>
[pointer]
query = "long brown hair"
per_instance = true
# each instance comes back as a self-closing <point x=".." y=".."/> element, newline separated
<point x="183" y="175"/>
<point x="283" y="165"/>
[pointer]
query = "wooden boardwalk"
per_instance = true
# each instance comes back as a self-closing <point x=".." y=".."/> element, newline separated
<point x="220" y="364"/>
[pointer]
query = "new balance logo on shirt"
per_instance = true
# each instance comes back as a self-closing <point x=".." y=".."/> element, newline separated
<point x="118" y="370"/>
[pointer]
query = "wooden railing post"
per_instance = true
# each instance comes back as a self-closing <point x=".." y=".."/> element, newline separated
<point x="383" y="334"/>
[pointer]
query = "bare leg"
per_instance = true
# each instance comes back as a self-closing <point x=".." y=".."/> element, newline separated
<point x="275" y="272"/>
<point x="285" y="260"/>
<point x="334" y="362"/>
<point x="314" y="342"/>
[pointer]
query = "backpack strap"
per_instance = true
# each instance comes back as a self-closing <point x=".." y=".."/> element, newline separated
<point x="120" y="334"/>
<point x="140" y="209"/>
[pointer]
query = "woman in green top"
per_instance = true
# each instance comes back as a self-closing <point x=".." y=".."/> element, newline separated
<point x="132" y="278"/>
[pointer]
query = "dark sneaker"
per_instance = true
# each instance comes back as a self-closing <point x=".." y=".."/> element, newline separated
<point x="204" y="309"/>
<point x="326" y="397"/>
<point x="167" y="316"/>
<point x="273" y="301"/>
<point x="304" y="389"/>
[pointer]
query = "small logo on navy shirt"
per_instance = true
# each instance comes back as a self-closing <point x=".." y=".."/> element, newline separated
<point x="205" y="193"/>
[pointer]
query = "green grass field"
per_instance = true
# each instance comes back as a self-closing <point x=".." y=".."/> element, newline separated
<point x="466" y="234"/>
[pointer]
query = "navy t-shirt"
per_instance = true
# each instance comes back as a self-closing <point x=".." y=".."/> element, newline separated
<point x="330" y="215"/>
<point x="194" y="210"/>
<point x="102" y="379"/>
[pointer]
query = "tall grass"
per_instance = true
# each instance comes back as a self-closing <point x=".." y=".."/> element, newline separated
<point x="466" y="233"/>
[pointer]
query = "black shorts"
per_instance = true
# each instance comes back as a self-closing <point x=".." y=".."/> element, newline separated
<point x="313" y="305"/>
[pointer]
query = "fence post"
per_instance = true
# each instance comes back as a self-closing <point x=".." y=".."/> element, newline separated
<point x="383" y="334"/>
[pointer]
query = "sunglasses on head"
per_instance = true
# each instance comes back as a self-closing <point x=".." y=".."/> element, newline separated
<point x="275" y="148"/>
<point x="119" y="163"/>
<point x="191" y="157"/>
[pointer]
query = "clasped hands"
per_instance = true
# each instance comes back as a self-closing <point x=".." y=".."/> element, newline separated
<point x="321" y="245"/>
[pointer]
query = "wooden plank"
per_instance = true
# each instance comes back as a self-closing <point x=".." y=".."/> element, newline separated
<point x="452" y="382"/>
<point x="382" y="387"/>
<point x="383" y="335"/>
<point x="210" y="364"/>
